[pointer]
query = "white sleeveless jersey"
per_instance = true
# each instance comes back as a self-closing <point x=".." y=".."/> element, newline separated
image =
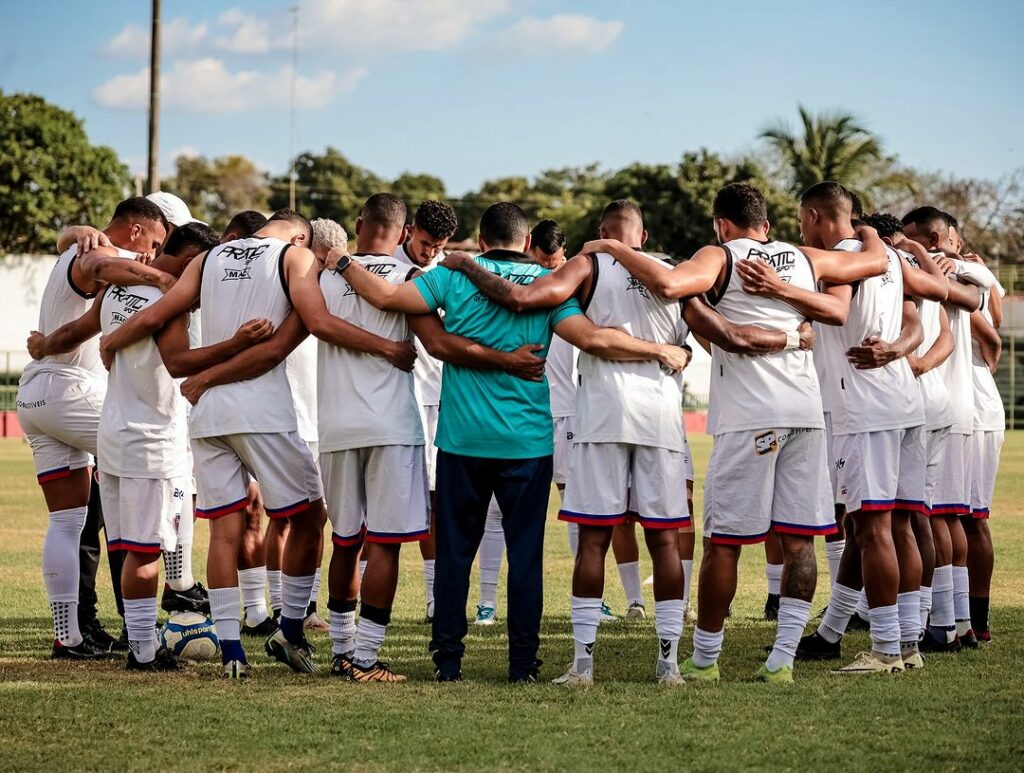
<point x="427" y="369"/>
<point x="244" y="280"/>
<point x="772" y="390"/>
<point x="143" y="432"/>
<point x="878" y="399"/>
<point x="563" y="375"/>
<point x="938" y="408"/>
<point x="363" y="400"/>
<point x="63" y="302"/>
<point x="989" y="413"/>
<point x="630" y="402"/>
<point x="300" y="366"/>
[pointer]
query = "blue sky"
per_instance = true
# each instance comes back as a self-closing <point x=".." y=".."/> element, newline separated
<point x="475" y="89"/>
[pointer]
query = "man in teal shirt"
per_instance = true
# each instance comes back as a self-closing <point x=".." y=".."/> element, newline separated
<point x="494" y="432"/>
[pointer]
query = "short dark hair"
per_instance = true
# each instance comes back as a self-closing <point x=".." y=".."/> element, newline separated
<point x="885" y="223"/>
<point x="547" y="237"/>
<point x="246" y="223"/>
<point x="503" y="224"/>
<point x="198" y="236"/>
<point x="140" y="208"/>
<point x="951" y="221"/>
<point x="741" y="203"/>
<point x="384" y="210"/>
<point x="831" y="198"/>
<point x="295" y="218"/>
<point x="622" y="208"/>
<point x="437" y="218"/>
<point x="927" y="216"/>
<point x="856" y="208"/>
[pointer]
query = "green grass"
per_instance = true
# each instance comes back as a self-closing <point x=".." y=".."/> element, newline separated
<point x="961" y="712"/>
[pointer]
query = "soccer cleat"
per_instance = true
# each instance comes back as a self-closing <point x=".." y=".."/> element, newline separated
<point x="163" y="661"/>
<point x="858" y="623"/>
<point x="447" y="676"/>
<point x="983" y="636"/>
<point x="378" y="672"/>
<point x="341" y="664"/>
<point x="691" y="672"/>
<point x="195" y="599"/>
<point x="314" y="622"/>
<point x="571" y="679"/>
<point x="668" y="674"/>
<point x="485" y="615"/>
<point x="784" y="675"/>
<point x="606" y="615"/>
<point x="236" y="669"/>
<point x="298" y="657"/>
<point x="649" y="580"/>
<point x="968" y="640"/>
<point x="931" y="645"/>
<point x="428" y="619"/>
<point x="691" y="615"/>
<point x="266" y="627"/>
<point x="870" y="663"/>
<point x="771" y="607"/>
<point x="94" y="632"/>
<point x="913" y="661"/>
<point x="816" y="647"/>
<point x="84" y="650"/>
<point x="636" y="611"/>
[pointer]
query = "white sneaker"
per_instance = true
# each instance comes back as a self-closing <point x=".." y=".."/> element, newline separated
<point x="649" y="580"/>
<point x="606" y="615"/>
<point x="485" y="615"/>
<point x="871" y="663"/>
<point x="691" y="614"/>
<point x="314" y="622"/>
<point x="668" y="674"/>
<point x="236" y="669"/>
<point x="636" y="611"/>
<point x="571" y="679"/>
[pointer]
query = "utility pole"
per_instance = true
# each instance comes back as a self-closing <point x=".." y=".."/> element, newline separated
<point x="153" y="163"/>
<point x="294" y="10"/>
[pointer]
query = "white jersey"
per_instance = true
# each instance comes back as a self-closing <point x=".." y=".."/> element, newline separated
<point x="958" y="370"/>
<point x="143" y="431"/>
<point x="364" y="400"/>
<point x="63" y="302"/>
<point x="244" y="280"/>
<point x="989" y="413"/>
<point x="300" y="366"/>
<point x="563" y="375"/>
<point x="630" y="402"/>
<point x="427" y="369"/>
<point x="938" y="408"/>
<point x="877" y="399"/>
<point x="772" y="390"/>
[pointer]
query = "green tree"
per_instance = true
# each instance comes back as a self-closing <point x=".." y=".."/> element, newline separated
<point x="327" y="185"/>
<point x="216" y="190"/>
<point x="414" y="189"/>
<point x="50" y="175"/>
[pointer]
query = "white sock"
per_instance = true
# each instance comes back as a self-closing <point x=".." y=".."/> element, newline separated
<point x="574" y="537"/>
<point x="942" y="597"/>
<point x="841" y="607"/>
<point x="833" y="554"/>
<point x="926" y="605"/>
<point x="773" y="573"/>
<point x="707" y="647"/>
<point x="491" y="549"/>
<point x="909" y="606"/>
<point x="793" y="617"/>
<point x="369" y="637"/>
<point x="314" y="594"/>
<point x="632" y="585"/>
<point x="253" y="583"/>
<point x="343" y="633"/>
<point x="295" y="595"/>
<point x="428" y="583"/>
<point x="885" y="629"/>
<point x="687" y="577"/>
<point x="178" y="567"/>
<point x="226" y="610"/>
<point x="140" y="619"/>
<point x="585" y="615"/>
<point x="862" y="606"/>
<point x="668" y="625"/>
<point x="274" y="586"/>
<point x="961" y="589"/>
<point x="60" y="572"/>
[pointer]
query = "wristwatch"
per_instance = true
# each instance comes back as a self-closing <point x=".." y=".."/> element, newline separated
<point x="343" y="263"/>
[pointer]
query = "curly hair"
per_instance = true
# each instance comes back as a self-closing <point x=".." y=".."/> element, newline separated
<point x="437" y="218"/>
<point x="329" y="234"/>
<point x="885" y="223"/>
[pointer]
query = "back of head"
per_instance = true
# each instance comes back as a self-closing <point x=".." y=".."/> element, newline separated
<point x="831" y="200"/>
<point x="298" y="224"/>
<point x="327" y="235"/>
<point x="547" y="237"/>
<point x="741" y="204"/>
<point x="436" y="218"/>
<point x="385" y="212"/>
<point x="927" y="224"/>
<point x="244" y="225"/>
<point x="887" y="225"/>
<point x="623" y="220"/>
<point x="189" y="240"/>
<point x="504" y="225"/>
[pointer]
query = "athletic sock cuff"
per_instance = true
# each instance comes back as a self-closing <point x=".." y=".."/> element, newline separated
<point x="374" y="614"/>
<point x="341" y="606"/>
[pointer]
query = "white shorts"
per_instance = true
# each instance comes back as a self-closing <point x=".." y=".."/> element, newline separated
<point x="280" y="461"/>
<point x="953" y="491"/>
<point x="767" y="479"/>
<point x="141" y="515"/>
<point x="610" y="483"/>
<point x="60" y="416"/>
<point x="829" y="444"/>
<point x="428" y="415"/>
<point x="985" y="449"/>
<point x="934" y="450"/>
<point x="878" y="471"/>
<point x="379" y="493"/>
<point x="565" y="430"/>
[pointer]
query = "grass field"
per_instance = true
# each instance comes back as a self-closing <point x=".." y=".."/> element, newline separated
<point x="961" y="712"/>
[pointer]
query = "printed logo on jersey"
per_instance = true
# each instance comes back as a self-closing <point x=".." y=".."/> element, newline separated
<point x="780" y="261"/>
<point x="636" y="284"/>
<point x="130" y="302"/>
<point x="236" y="274"/>
<point x="765" y="443"/>
<point x="244" y="255"/>
<point x="569" y="436"/>
<point x="840" y="464"/>
<point x="380" y="269"/>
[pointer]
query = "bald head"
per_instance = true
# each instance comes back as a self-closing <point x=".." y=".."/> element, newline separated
<point x="623" y="220"/>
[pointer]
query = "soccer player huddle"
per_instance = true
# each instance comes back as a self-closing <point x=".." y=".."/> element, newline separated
<point x="406" y="395"/>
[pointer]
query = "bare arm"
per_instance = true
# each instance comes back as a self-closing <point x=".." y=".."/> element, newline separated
<point x="926" y="280"/>
<point x="830" y="307"/>
<point x="938" y="352"/>
<point x="692" y="277"/>
<point x="610" y="344"/>
<point x="876" y="353"/>
<point x="378" y="292"/>
<point x="995" y="307"/>
<point x="85" y="236"/>
<point x="709" y="325"/>
<point x="545" y="292"/>
<point x="104" y="265"/>
<point x="989" y="342"/>
<point x="181" y="361"/>
<point x="964" y="296"/>
<point x="842" y="267"/>
<point x="455" y="349"/>
<point x="67" y="337"/>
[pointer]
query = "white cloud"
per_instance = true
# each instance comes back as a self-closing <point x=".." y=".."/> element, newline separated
<point x="561" y="33"/>
<point x="208" y="86"/>
<point x="178" y="36"/>
<point x="248" y="35"/>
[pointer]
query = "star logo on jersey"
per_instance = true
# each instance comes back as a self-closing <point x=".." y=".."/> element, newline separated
<point x="636" y="284"/>
<point x="765" y="443"/>
<point x="128" y="300"/>
<point x="236" y="274"/>
<point x="244" y="254"/>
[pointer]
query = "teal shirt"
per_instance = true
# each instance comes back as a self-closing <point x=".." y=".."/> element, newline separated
<point x="489" y="413"/>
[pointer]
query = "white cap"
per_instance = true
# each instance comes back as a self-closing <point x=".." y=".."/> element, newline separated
<point x="175" y="210"/>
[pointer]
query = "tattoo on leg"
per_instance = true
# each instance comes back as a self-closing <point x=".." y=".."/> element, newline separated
<point x="801" y="570"/>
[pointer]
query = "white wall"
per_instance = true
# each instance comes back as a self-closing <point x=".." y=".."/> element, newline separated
<point x="22" y="279"/>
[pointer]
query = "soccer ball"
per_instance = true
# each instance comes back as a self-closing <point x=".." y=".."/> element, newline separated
<point x="190" y="635"/>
